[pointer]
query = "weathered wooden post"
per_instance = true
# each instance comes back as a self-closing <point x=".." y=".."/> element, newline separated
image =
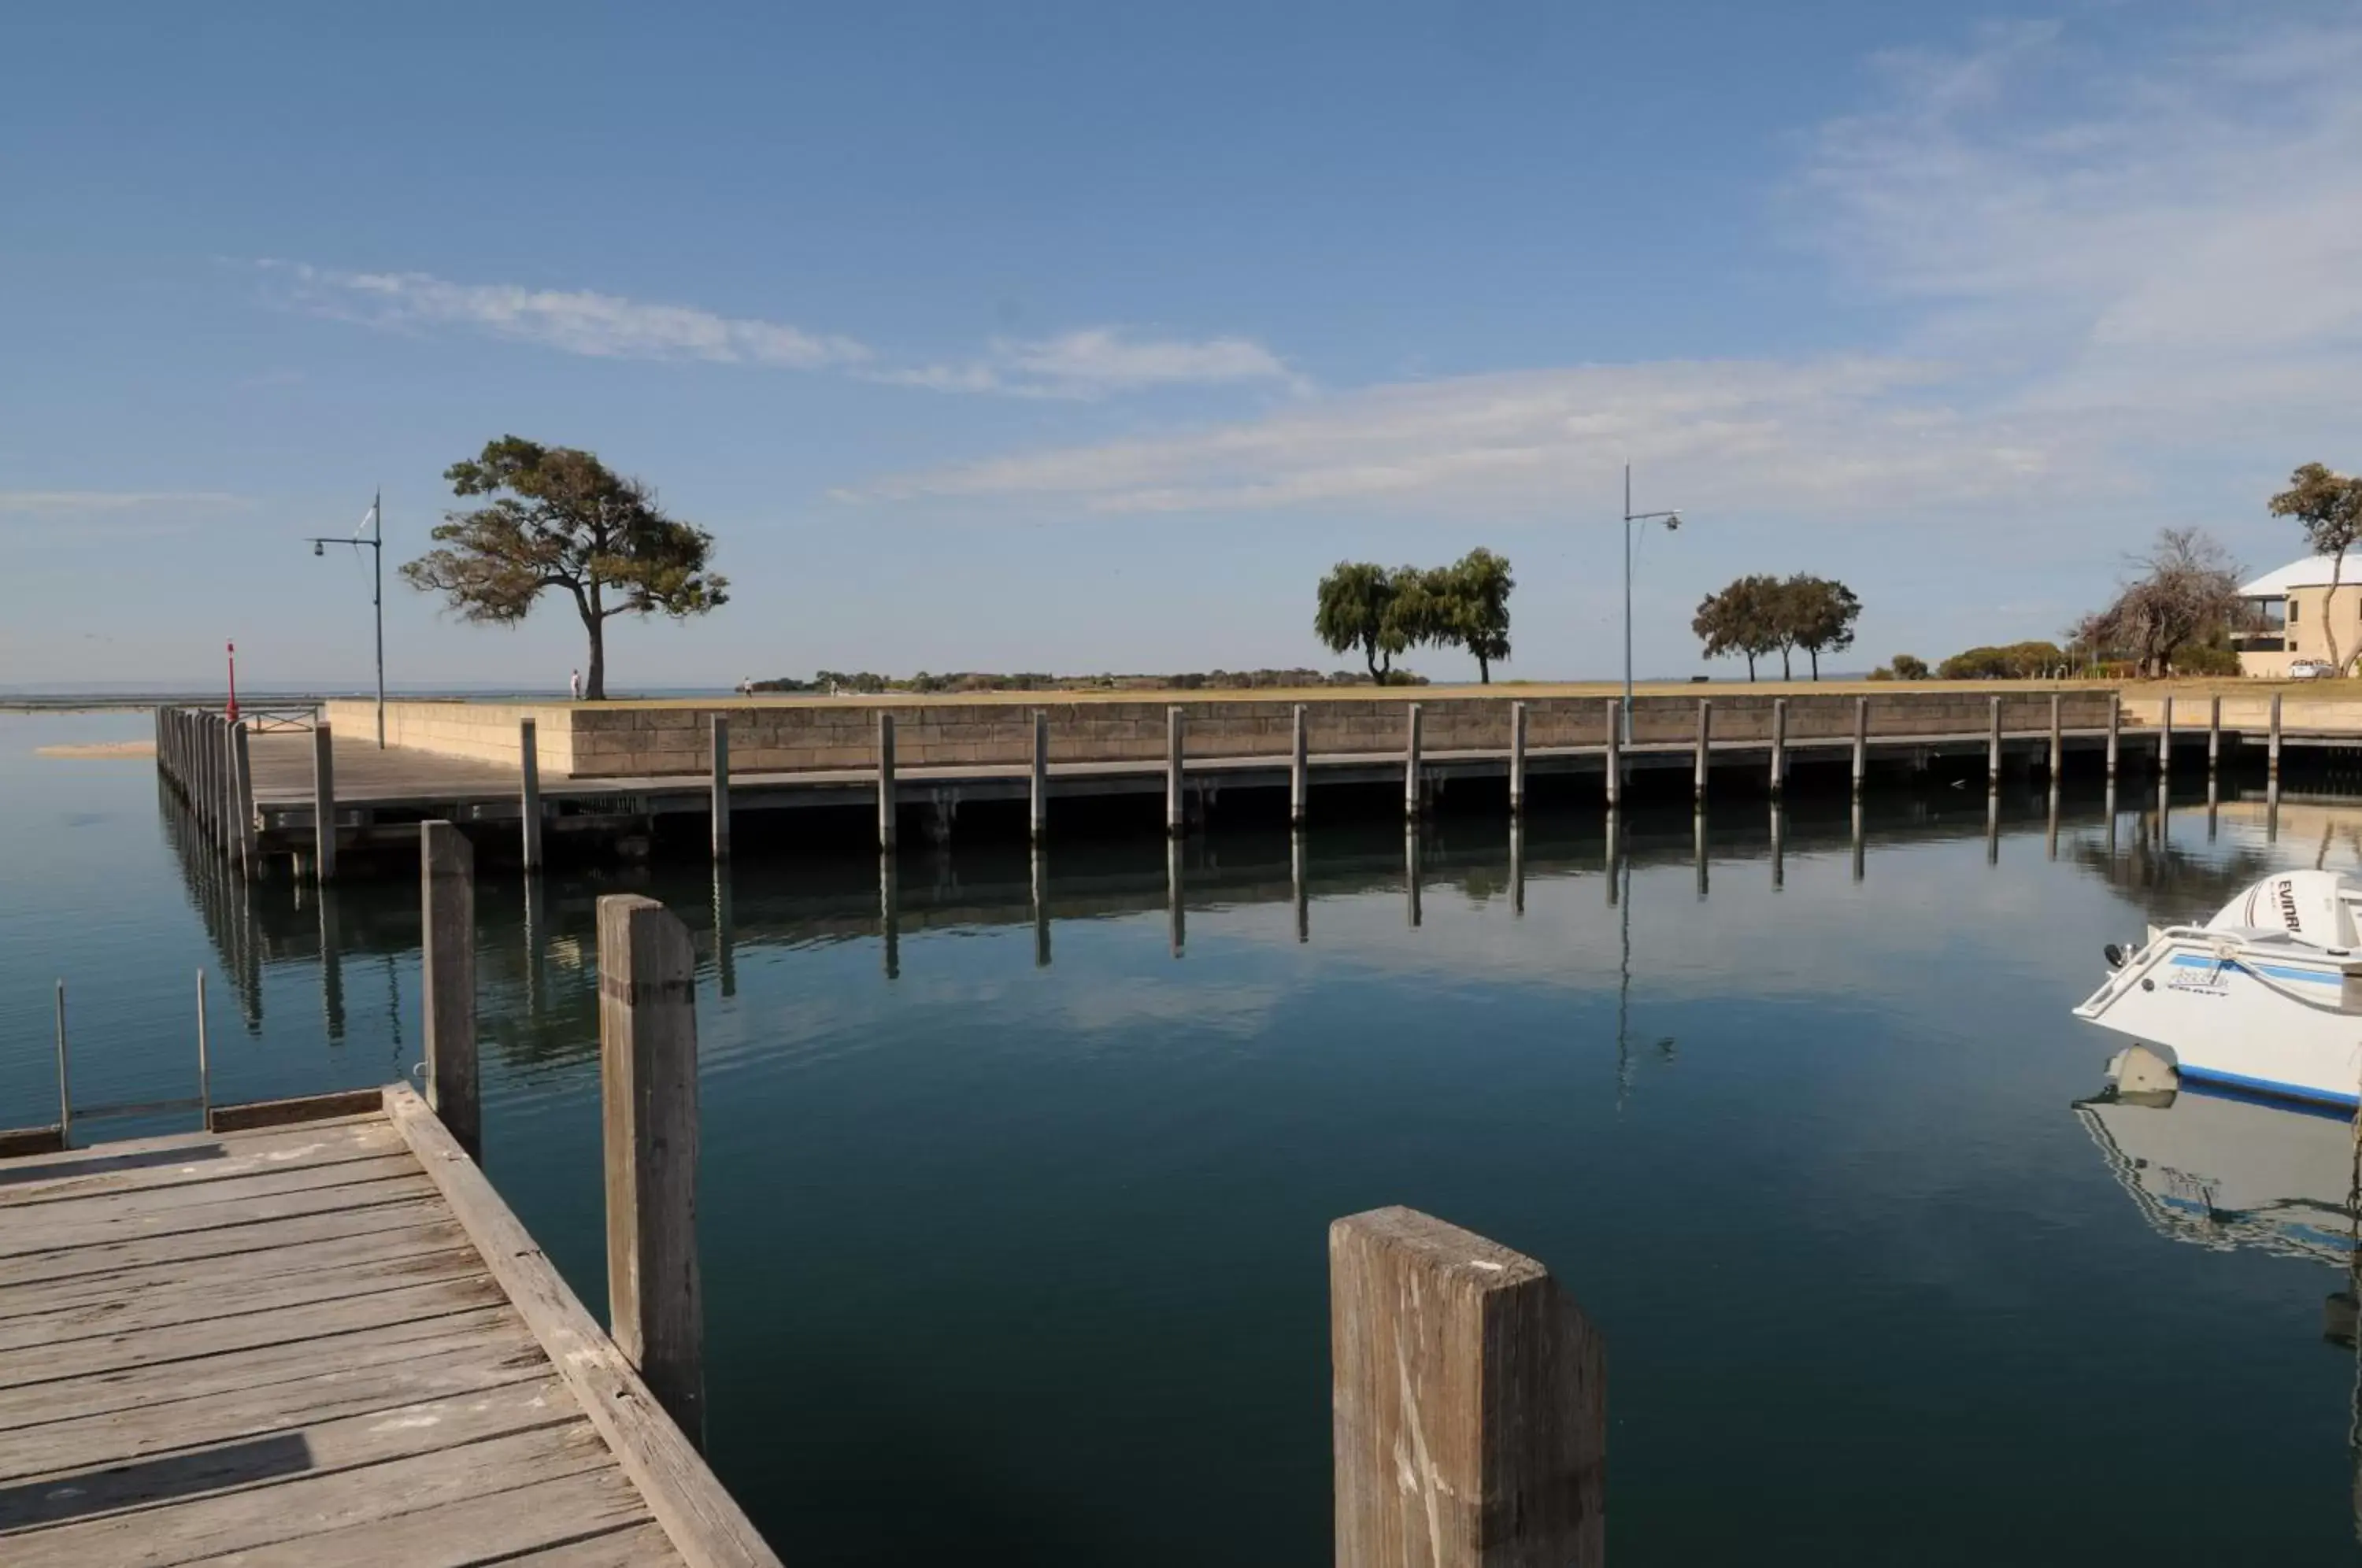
<point x="2115" y="729"/>
<point x="529" y="792"/>
<point x="1861" y="744"/>
<point x="1299" y="772"/>
<point x="2058" y="742"/>
<point x="721" y="807"/>
<point x="1993" y="744"/>
<point x="885" y="783"/>
<point x="241" y="774"/>
<point x="1704" y="743"/>
<point x="1517" y="760"/>
<point x="1468" y="1400"/>
<point x="324" y="802"/>
<point x="2272" y="753"/>
<point x="1411" y="760"/>
<point x="1779" y="745"/>
<point x="1037" y="818"/>
<point x="2213" y="733"/>
<point x="647" y="1092"/>
<point x="1613" y="761"/>
<point x="2165" y="742"/>
<point x="1177" y="820"/>
<point x="447" y="871"/>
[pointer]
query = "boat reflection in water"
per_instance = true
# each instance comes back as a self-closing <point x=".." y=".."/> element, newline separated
<point x="2227" y="1171"/>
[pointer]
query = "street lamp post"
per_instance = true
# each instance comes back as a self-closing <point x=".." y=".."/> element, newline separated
<point x="1672" y="520"/>
<point x="375" y="544"/>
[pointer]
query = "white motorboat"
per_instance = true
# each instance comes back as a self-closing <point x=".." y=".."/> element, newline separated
<point x="2265" y="997"/>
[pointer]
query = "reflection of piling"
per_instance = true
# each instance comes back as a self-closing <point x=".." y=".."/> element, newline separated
<point x="1176" y="916"/>
<point x="1040" y="888"/>
<point x="2050" y="831"/>
<point x="332" y="961"/>
<point x="1779" y="844"/>
<point x="1859" y="841"/>
<point x="2110" y="809"/>
<point x="726" y="931"/>
<point x="889" y="917"/>
<point x="1697" y="834"/>
<point x="1517" y="866"/>
<point x="537" y="927"/>
<point x="1411" y="872"/>
<point x="1615" y="854"/>
<point x="1992" y="827"/>
<point x="1299" y="889"/>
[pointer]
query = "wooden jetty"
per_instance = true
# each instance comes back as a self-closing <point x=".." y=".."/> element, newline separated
<point x="315" y="1334"/>
<point x="311" y="796"/>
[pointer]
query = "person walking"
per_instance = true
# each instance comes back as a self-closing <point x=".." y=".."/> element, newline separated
<point x="574" y="686"/>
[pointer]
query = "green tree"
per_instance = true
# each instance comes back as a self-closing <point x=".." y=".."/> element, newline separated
<point x="1355" y="611"/>
<point x="1742" y="619"/>
<point x="1476" y="591"/>
<point x="1819" y="613"/>
<point x="2328" y="505"/>
<point x="560" y="518"/>
<point x="1910" y="667"/>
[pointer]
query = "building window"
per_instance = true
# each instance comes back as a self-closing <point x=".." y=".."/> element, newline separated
<point x="2291" y="612"/>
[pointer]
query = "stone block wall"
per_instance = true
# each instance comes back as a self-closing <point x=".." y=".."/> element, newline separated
<point x="481" y="732"/>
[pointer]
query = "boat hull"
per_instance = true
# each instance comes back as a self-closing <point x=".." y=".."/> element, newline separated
<point x="2273" y="1021"/>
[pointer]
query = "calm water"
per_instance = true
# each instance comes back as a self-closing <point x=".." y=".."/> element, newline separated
<point x="1008" y="1262"/>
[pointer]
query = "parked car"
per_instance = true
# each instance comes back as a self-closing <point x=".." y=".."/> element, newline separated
<point x="2310" y="669"/>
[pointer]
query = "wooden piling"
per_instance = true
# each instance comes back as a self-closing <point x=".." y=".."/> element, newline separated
<point x="1993" y="744"/>
<point x="647" y="1085"/>
<point x="1517" y="760"/>
<point x="2272" y="755"/>
<point x="446" y="868"/>
<point x="324" y="802"/>
<point x="1704" y="741"/>
<point x="2165" y="742"/>
<point x="1411" y="760"/>
<point x="1779" y="745"/>
<point x="2115" y="731"/>
<point x="1468" y="1400"/>
<point x="1175" y="819"/>
<point x="721" y="807"/>
<point x="241" y="803"/>
<point x="1612" y="763"/>
<point x="1037" y="818"/>
<point x="529" y="793"/>
<point x="1860" y="743"/>
<point x="2214" y="734"/>
<point x="885" y="783"/>
<point x="1299" y="772"/>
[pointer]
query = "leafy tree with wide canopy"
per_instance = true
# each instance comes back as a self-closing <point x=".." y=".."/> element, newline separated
<point x="2328" y="505"/>
<point x="1742" y="619"/>
<point x="1385" y="612"/>
<point x="1819" y="613"/>
<point x="1355" y="610"/>
<point x="560" y="518"/>
<point x="1476" y="591"/>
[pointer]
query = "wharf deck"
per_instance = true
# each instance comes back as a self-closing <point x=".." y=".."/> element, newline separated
<point x="318" y="1344"/>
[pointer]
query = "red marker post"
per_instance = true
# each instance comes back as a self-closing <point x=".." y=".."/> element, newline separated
<point x="232" y="683"/>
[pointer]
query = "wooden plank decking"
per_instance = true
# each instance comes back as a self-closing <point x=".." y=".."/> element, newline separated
<point x="321" y="1344"/>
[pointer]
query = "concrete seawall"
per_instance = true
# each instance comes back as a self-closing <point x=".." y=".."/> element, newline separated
<point x="632" y="739"/>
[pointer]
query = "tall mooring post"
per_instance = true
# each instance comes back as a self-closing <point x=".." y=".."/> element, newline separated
<point x="1779" y="745"/>
<point x="2057" y="742"/>
<point x="1037" y="806"/>
<point x="1860" y="743"/>
<point x="1612" y="764"/>
<point x="1411" y="794"/>
<point x="2165" y="742"/>
<point x="885" y="783"/>
<point x="1992" y="745"/>
<point x="1705" y="747"/>
<point x="1517" y="760"/>
<point x="1177" y="820"/>
<point x="2115" y="731"/>
<point x="721" y="807"/>
<point x="647" y="1092"/>
<point x="2213" y="733"/>
<point x="324" y="802"/>
<point x="1299" y="770"/>
<point x="529" y="793"/>
<point x="1468" y="1402"/>
<point x="447" y="874"/>
<point x="241" y="803"/>
<point x="2272" y="745"/>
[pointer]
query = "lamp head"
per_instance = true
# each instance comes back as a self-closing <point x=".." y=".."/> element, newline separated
<point x="1672" y="521"/>
<point x="318" y="548"/>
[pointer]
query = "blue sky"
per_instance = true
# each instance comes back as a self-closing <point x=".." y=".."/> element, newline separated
<point x="1087" y="336"/>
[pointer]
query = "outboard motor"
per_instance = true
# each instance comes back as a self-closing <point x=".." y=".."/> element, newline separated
<point x="2315" y="908"/>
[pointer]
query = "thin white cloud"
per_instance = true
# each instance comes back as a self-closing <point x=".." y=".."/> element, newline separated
<point x="2114" y="263"/>
<point x="574" y="320"/>
<point x="1096" y="361"/>
<point x="83" y="502"/>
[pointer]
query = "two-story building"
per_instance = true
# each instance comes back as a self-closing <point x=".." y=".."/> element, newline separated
<point x="2295" y="613"/>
